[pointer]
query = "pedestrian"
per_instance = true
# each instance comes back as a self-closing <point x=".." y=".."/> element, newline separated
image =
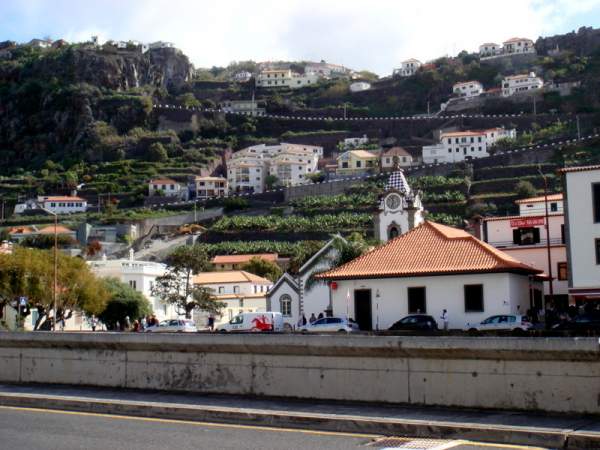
<point x="93" y="322"/>
<point x="136" y="326"/>
<point x="127" y="323"/>
<point x="312" y="318"/>
<point x="320" y="316"/>
<point x="304" y="321"/>
<point x="211" y="322"/>
<point x="143" y="323"/>
<point x="444" y="318"/>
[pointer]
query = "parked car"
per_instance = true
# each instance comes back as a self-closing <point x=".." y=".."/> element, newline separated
<point x="330" y="325"/>
<point x="254" y="322"/>
<point x="582" y="322"/>
<point x="415" y="322"/>
<point x="173" y="326"/>
<point x="504" y="322"/>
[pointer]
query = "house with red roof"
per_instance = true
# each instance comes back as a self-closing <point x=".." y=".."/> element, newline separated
<point x="426" y="270"/>
<point x="166" y="187"/>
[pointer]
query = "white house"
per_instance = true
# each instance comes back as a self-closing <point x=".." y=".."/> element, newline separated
<point x="60" y="204"/>
<point x="166" y="187"/>
<point x="278" y="78"/>
<point x="40" y="43"/>
<point x="354" y="142"/>
<point x="161" y="44"/>
<point x="468" y="89"/>
<point x="408" y="68"/>
<point x="431" y="268"/>
<point x="208" y="187"/>
<point x="400" y="208"/>
<point x="242" y="77"/>
<point x="300" y="295"/>
<point x="359" y="86"/>
<point x="455" y="146"/>
<point x="489" y="49"/>
<point x="395" y="156"/>
<point x="239" y="290"/>
<point x="249" y="107"/>
<point x="326" y="70"/>
<point x="517" y="84"/>
<point x="581" y="187"/>
<point x="518" y="45"/>
<point x="246" y="174"/>
<point x="140" y="275"/>
<point x="524" y="238"/>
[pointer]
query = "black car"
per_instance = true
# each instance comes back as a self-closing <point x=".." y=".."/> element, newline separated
<point x="583" y="322"/>
<point x="415" y="322"/>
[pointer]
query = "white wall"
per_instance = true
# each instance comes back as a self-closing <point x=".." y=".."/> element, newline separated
<point x="286" y="289"/>
<point x="502" y="292"/>
<point x="582" y="229"/>
<point x="539" y="208"/>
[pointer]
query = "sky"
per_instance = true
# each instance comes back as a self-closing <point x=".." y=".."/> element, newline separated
<point x="371" y="35"/>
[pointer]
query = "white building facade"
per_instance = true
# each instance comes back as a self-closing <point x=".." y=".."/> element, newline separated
<point x="139" y="275"/>
<point x="209" y="187"/>
<point x="360" y="86"/>
<point x="166" y="187"/>
<point x="63" y="204"/>
<point x="285" y="78"/>
<point x="458" y="146"/>
<point x="408" y="68"/>
<point x="518" y="84"/>
<point x="582" y="207"/>
<point x="468" y="89"/>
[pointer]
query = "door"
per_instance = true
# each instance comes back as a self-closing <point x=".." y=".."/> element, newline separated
<point x="416" y="300"/>
<point x="362" y="309"/>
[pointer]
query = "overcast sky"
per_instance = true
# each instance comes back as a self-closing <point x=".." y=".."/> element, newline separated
<point x="374" y="35"/>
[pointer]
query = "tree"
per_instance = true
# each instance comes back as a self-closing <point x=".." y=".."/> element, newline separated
<point x="124" y="301"/>
<point x="524" y="189"/>
<point x="157" y="153"/>
<point x="263" y="268"/>
<point x="270" y="181"/>
<point x="188" y="100"/>
<point x="30" y="273"/>
<point x="176" y="287"/>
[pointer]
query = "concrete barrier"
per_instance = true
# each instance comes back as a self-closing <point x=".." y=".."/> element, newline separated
<point x="533" y="374"/>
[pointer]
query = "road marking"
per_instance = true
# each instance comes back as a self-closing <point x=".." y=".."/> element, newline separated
<point x="454" y="444"/>
<point x="189" y="422"/>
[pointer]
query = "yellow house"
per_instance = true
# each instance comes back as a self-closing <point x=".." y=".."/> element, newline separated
<point x="354" y="161"/>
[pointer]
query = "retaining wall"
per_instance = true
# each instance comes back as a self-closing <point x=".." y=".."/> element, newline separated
<point x="548" y="374"/>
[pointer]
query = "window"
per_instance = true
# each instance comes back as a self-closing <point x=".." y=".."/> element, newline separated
<point x="563" y="273"/>
<point x="285" y="305"/>
<point x="526" y="236"/>
<point x="358" y="164"/>
<point x="473" y="297"/>
<point x="416" y="300"/>
<point x="236" y="289"/>
<point x="562" y="234"/>
<point x="132" y="284"/>
<point x="344" y="165"/>
<point x="597" y="251"/>
<point x="553" y="207"/>
<point x="221" y="289"/>
<point x="596" y="201"/>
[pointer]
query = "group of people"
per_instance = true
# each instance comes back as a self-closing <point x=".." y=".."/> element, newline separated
<point x="312" y="319"/>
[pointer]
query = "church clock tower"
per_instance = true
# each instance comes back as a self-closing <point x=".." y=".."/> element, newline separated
<point x="400" y="208"/>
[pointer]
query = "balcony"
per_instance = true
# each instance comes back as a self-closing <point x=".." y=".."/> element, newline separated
<point x="511" y="244"/>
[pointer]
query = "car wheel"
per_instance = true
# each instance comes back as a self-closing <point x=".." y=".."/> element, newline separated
<point x="518" y="332"/>
<point x="304" y="332"/>
<point x="342" y="331"/>
<point x="287" y="328"/>
<point x="474" y="332"/>
<point x="222" y="331"/>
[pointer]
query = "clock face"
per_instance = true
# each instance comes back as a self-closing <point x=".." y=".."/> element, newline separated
<point x="393" y="201"/>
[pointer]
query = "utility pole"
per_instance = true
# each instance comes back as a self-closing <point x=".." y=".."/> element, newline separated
<point x="578" y="129"/>
<point x="548" y="250"/>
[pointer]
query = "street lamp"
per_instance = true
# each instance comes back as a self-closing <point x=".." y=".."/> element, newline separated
<point x="54" y="291"/>
<point x="548" y="250"/>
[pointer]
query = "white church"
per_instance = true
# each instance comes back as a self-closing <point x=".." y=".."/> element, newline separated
<point x="400" y="210"/>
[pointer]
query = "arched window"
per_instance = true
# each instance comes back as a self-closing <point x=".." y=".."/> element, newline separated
<point x="285" y="305"/>
<point x="393" y="232"/>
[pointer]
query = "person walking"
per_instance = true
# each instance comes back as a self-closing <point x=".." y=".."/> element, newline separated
<point x="211" y="322"/>
<point x="320" y="316"/>
<point x="312" y="318"/>
<point x="444" y="318"/>
<point x="93" y="322"/>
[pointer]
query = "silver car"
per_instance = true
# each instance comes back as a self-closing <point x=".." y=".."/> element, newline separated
<point x="173" y="326"/>
<point x="502" y="322"/>
<point x="330" y="325"/>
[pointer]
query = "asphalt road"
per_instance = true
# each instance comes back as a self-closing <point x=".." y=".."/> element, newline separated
<point x="33" y="429"/>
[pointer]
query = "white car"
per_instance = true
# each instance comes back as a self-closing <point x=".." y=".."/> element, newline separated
<point x="173" y="326"/>
<point x="330" y="325"/>
<point x="502" y="322"/>
<point x="255" y="322"/>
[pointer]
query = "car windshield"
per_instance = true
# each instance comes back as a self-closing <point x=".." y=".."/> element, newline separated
<point x="493" y="319"/>
<point x="320" y="322"/>
<point x="236" y="320"/>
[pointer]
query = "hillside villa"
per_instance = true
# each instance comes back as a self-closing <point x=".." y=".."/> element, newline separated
<point x="356" y="161"/>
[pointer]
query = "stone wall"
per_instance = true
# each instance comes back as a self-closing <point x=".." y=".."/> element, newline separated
<point x="534" y="374"/>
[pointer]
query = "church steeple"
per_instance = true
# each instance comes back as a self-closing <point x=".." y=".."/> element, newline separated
<point x="400" y="208"/>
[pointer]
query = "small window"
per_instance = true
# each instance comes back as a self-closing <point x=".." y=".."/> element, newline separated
<point x="562" y="271"/>
<point x="473" y="297"/>
<point x="133" y="284"/>
<point x="597" y="251"/>
<point x="236" y="289"/>
<point x="553" y="207"/>
<point x="221" y="289"/>
<point x="526" y="236"/>
<point x="562" y="234"/>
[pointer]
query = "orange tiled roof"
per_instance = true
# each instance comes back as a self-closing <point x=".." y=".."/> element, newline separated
<point x="517" y="39"/>
<point x="239" y="259"/>
<point x="541" y="198"/>
<point x="63" y="198"/>
<point x="579" y="168"/>
<point x="20" y="230"/>
<point x="429" y="249"/>
<point x="59" y="230"/>
<point x="163" y="181"/>
<point x="396" y="151"/>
